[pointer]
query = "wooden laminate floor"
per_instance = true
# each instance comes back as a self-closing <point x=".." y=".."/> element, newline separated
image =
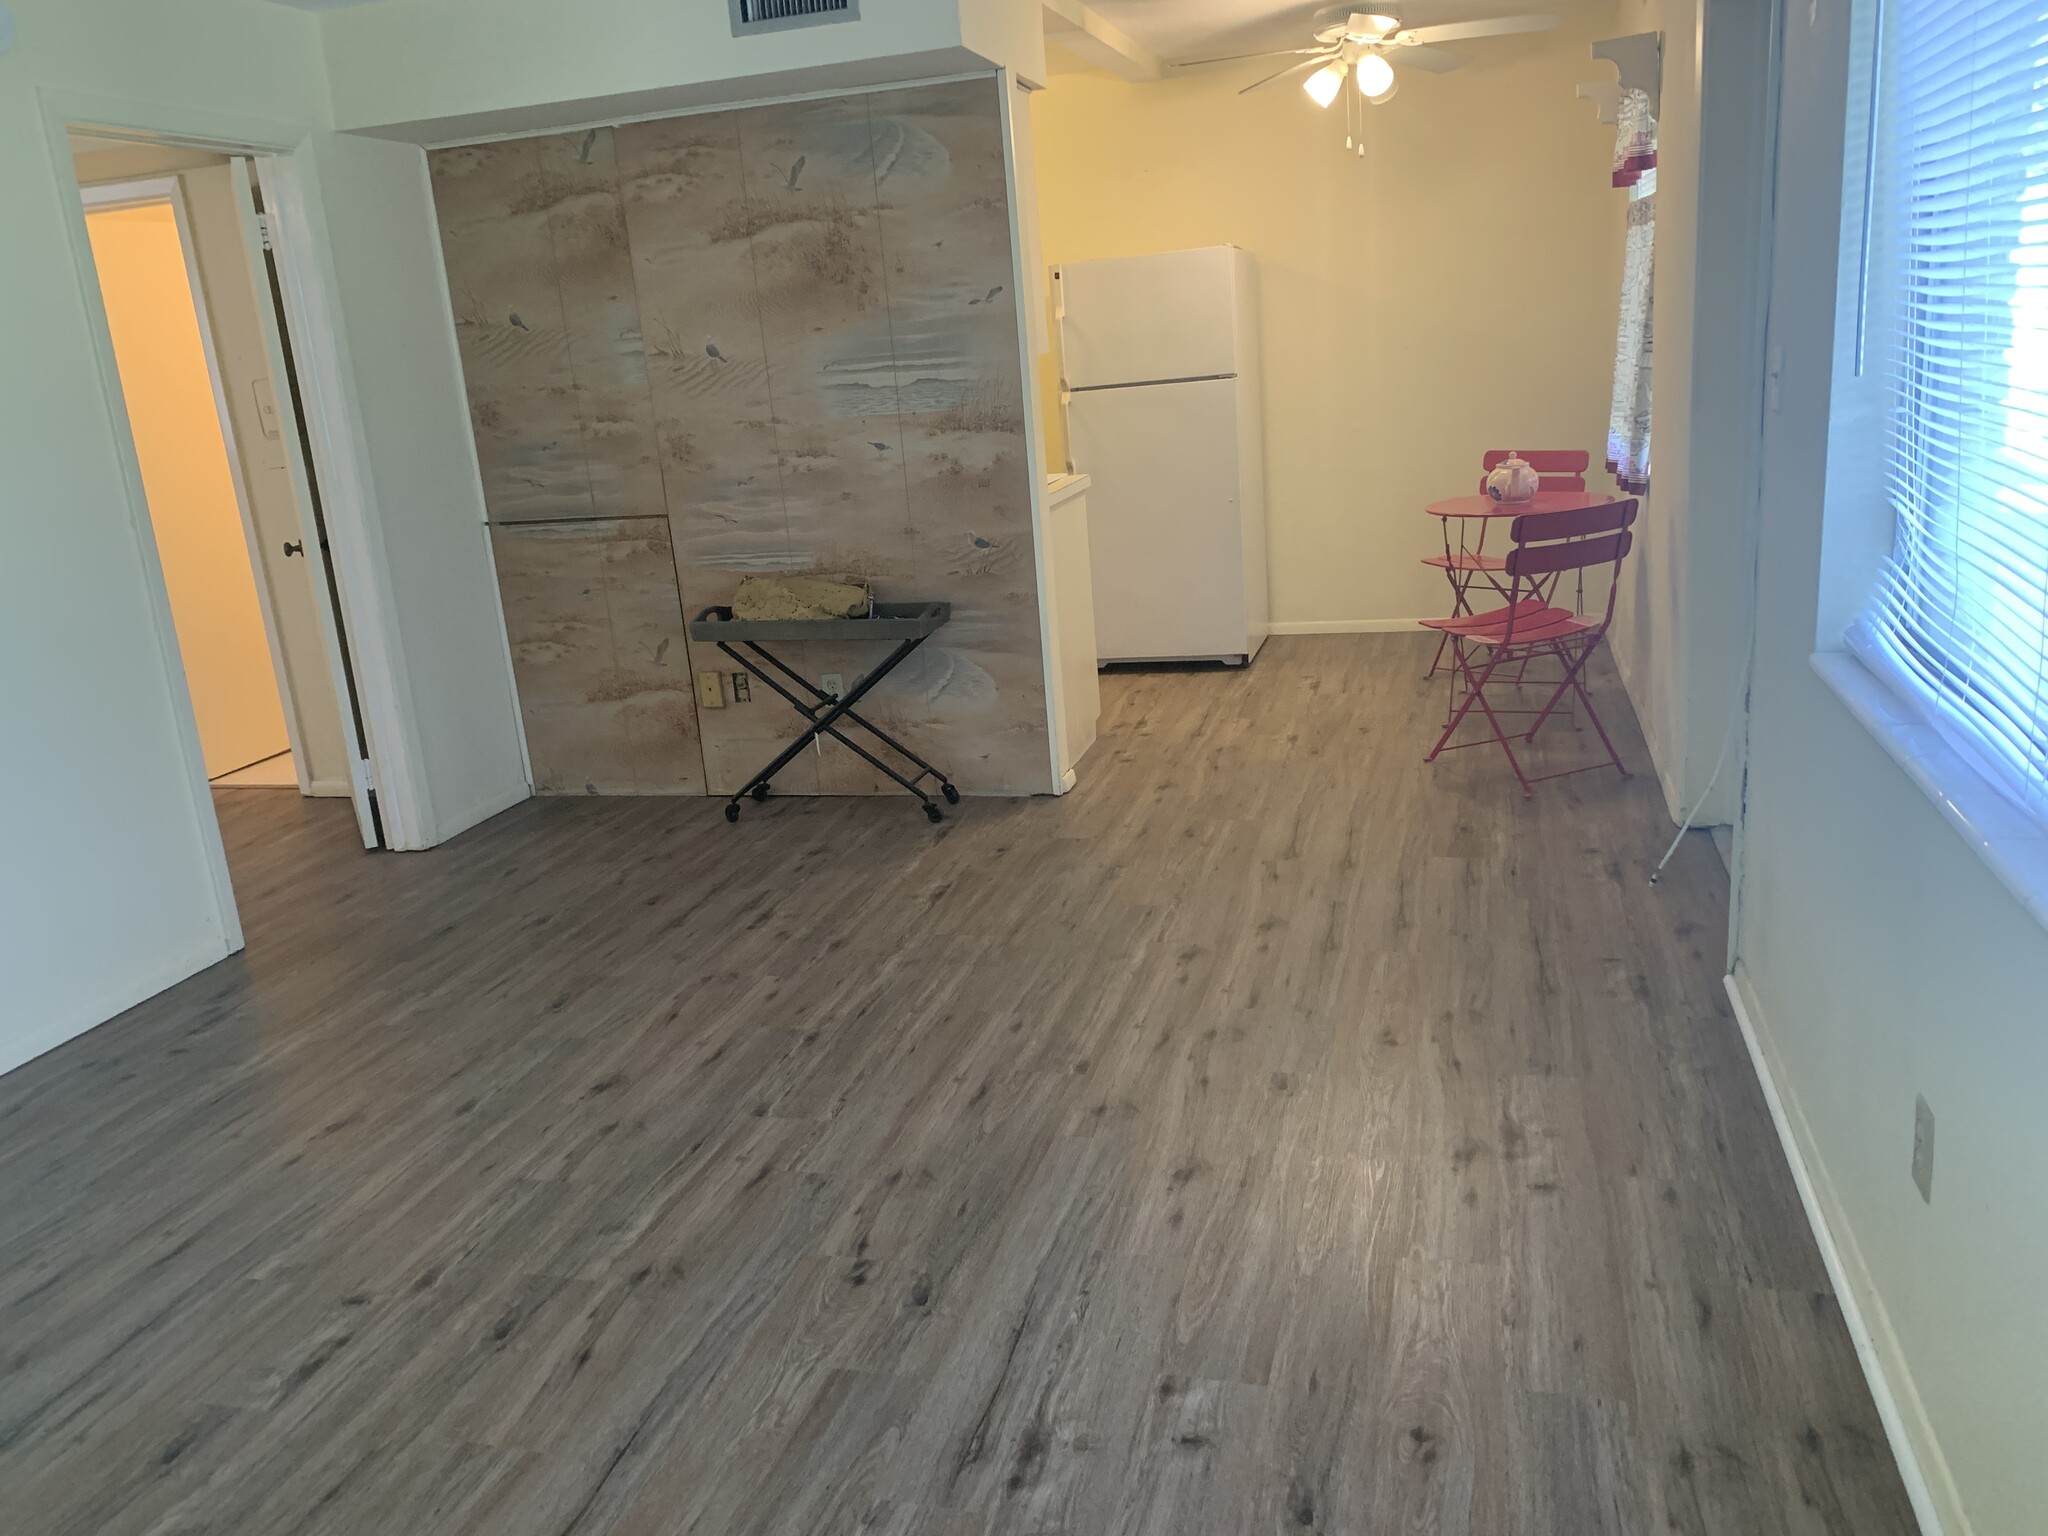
<point x="1275" y="1135"/>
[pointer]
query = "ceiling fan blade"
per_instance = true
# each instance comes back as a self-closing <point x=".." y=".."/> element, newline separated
<point x="1435" y="61"/>
<point x="1234" y="58"/>
<point x="1460" y="31"/>
<point x="1321" y="58"/>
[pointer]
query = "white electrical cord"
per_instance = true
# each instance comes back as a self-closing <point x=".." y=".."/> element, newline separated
<point x="1693" y="815"/>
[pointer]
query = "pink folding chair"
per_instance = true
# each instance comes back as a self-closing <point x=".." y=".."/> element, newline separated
<point x="1557" y="469"/>
<point x="1543" y="547"/>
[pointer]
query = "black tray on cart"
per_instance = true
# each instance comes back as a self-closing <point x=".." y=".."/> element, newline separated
<point x="888" y="621"/>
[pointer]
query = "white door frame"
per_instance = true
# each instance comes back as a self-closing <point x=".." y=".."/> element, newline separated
<point x="341" y="470"/>
<point x="339" y="450"/>
<point x="150" y="191"/>
<point x="259" y="252"/>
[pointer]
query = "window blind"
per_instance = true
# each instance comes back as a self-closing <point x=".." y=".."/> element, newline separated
<point x="1958" y="621"/>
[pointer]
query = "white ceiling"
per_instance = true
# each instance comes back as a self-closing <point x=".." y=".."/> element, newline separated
<point x="1178" y="30"/>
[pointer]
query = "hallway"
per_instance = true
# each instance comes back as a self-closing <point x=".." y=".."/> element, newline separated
<point x="1273" y="1135"/>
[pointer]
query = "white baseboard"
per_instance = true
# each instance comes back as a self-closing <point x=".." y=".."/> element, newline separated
<point x="1345" y="627"/>
<point x="1937" y="1504"/>
<point x="439" y="831"/>
<point x="19" y="1050"/>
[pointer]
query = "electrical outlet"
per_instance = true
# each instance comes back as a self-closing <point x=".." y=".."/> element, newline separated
<point x="833" y="683"/>
<point x="742" y="688"/>
<point x="710" y="690"/>
<point x="1923" y="1149"/>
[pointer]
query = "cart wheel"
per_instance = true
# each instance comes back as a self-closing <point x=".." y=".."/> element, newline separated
<point x="952" y="795"/>
<point x="732" y="811"/>
<point x="933" y="814"/>
<point x="759" y="792"/>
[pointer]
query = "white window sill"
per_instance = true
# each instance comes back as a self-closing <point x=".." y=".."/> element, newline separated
<point x="2014" y="847"/>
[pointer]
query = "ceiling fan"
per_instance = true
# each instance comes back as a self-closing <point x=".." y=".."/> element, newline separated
<point x="1366" y="45"/>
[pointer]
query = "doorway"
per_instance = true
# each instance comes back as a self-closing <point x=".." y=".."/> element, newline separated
<point x="188" y="282"/>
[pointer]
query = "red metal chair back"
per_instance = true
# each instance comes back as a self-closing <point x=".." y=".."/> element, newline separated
<point x="1534" y="529"/>
<point x="1557" y="469"/>
<point x="1547" y="544"/>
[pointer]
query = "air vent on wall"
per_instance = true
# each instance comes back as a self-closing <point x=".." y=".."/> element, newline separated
<point x="750" y="16"/>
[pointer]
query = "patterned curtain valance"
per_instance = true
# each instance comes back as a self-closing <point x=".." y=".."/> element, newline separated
<point x="1635" y="148"/>
<point x="1628" y="422"/>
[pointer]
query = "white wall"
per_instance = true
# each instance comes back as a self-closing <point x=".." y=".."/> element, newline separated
<point x="446" y="71"/>
<point x="107" y="887"/>
<point x="1879" y="956"/>
<point x="1679" y="629"/>
<point x="1006" y="32"/>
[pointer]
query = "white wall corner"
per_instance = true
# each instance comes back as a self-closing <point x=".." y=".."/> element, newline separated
<point x="1076" y="28"/>
<point x="1639" y="60"/>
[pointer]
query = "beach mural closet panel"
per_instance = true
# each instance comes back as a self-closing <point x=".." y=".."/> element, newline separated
<point x="774" y="339"/>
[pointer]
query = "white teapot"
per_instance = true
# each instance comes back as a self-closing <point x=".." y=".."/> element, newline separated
<point x="1514" y="480"/>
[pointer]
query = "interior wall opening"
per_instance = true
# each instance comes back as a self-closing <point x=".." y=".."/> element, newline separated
<point x="185" y="279"/>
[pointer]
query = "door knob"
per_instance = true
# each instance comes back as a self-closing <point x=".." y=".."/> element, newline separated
<point x="296" y="547"/>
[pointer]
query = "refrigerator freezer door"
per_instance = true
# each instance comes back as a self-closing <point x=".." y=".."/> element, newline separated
<point x="1143" y="319"/>
<point x="1165" y="535"/>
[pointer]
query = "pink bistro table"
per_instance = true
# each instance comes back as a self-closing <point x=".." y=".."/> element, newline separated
<point x="1465" y="560"/>
<point x="1483" y="507"/>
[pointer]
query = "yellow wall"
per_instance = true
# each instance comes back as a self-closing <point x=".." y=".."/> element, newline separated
<point x="192" y="504"/>
<point x="1453" y="291"/>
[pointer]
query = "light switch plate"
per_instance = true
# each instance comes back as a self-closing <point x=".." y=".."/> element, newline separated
<point x="266" y="407"/>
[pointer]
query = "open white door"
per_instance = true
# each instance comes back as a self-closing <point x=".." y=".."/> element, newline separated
<point x="298" y="457"/>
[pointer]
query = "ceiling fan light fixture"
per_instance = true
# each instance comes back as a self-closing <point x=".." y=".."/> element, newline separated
<point x="1375" y="78"/>
<point x="1323" y="85"/>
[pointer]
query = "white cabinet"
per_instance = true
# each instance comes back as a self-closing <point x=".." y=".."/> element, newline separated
<point x="1070" y="614"/>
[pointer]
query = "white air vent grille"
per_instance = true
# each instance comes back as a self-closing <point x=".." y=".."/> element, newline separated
<point x="773" y="15"/>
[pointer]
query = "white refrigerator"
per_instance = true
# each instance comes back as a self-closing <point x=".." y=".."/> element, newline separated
<point x="1160" y="375"/>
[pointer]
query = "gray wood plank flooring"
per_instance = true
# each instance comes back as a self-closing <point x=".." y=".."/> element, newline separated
<point x="1275" y="1135"/>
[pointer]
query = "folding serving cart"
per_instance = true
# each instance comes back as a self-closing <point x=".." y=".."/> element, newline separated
<point x="907" y="624"/>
